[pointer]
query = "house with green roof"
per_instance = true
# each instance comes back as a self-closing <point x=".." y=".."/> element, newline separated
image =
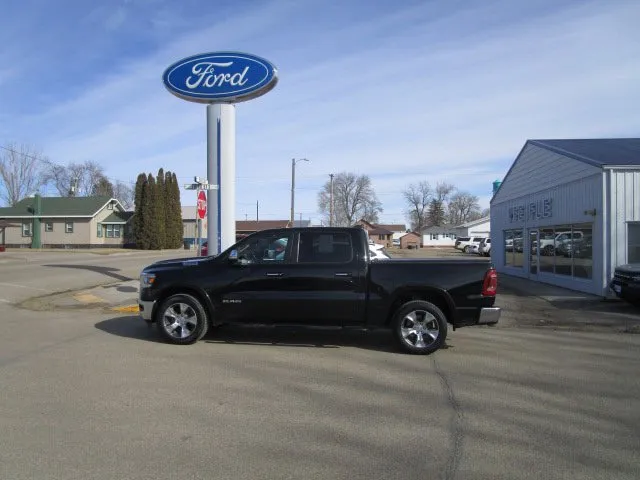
<point x="67" y="222"/>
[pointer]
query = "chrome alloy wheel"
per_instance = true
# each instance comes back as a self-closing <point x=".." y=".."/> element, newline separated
<point x="179" y="320"/>
<point x="419" y="329"/>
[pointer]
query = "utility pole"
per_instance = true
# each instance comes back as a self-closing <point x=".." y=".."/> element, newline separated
<point x="257" y="211"/>
<point x="331" y="202"/>
<point x="293" y="185"/>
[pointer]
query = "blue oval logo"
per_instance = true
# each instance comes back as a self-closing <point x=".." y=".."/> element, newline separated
<point x="220" y="77"/>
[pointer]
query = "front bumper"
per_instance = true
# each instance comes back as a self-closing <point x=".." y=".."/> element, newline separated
<point x="625" y="290"/>
<point x="489" y="316"/>
<point x="146" y="310"/>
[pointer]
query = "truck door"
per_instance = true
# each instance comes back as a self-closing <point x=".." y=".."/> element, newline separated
<point x="328" y="280"/>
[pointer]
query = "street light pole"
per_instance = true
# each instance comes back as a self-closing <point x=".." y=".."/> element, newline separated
<point x="293" y="185"/>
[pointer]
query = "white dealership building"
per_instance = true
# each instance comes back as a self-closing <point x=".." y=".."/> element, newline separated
<point x="568" y="212"/>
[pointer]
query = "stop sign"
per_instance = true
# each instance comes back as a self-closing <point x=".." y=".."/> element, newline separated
<point x="202" y="204"/>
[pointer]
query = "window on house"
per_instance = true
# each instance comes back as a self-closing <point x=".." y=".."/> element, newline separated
<point x="110" y="206"/>
<point x="99" y="233"/>
<point x="48" y="227"/>
<point x="68" y="227"/>
<point x="113" y="231"/>
<point x="380" y="237"/>
<point x="26" y="229"/>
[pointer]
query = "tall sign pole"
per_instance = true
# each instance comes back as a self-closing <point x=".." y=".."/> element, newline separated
<point x="220" y="80"/>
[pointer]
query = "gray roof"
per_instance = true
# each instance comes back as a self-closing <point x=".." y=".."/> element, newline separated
<point x="473" y="223"/>
<point x="598" y="152"/>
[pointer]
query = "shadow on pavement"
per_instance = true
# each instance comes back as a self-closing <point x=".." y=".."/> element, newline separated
<point x="130" y="326"/>
<point x="107" y="271"/>
<point x="134" y="327"/>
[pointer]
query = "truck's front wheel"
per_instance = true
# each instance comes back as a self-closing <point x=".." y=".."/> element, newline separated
<point x="182" y="319"/>
<point x="420" y="327"/>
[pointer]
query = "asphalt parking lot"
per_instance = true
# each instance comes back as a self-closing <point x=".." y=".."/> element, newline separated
<point x="90" y="392"/>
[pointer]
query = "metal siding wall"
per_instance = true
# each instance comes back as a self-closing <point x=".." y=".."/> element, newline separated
<point x="537" y="169"/>
<point x="625" y="207"/>
<point x="569" y="203"/>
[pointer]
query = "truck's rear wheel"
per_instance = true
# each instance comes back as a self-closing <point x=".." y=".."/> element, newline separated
<point x="182" y="319"/>
<point x="420" y="327"/>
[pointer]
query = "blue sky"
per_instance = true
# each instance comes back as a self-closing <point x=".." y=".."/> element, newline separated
<point x="400" y="90"/>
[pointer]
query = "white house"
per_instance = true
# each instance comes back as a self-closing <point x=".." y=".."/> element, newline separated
<point x="475" y="228"/>
<point x="438" y="236"/>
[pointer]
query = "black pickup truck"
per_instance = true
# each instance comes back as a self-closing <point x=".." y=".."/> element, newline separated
<point x="318" y="277"/>
<point x="626" y="283"/>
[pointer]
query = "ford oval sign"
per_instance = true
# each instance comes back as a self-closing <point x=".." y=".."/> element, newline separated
<point x="220" y="77"/>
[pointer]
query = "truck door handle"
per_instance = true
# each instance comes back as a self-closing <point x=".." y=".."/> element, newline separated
<point x="343" y="274"/>
<point x="274" y="274"/>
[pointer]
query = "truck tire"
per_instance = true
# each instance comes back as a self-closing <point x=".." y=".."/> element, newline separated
<point x="420" y="327"/>
<point x="182" y="319"/>
<point x="467" y="249"/>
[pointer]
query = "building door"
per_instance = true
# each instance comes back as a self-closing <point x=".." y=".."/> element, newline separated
<point x="532" y="253"/>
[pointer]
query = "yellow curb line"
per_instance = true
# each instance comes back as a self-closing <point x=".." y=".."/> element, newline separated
<point x="126" y="309"/>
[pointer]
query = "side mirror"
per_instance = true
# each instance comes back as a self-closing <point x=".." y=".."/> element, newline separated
<point x="233" y="259"/>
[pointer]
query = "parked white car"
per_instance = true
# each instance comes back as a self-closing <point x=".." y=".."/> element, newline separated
<point x="550" y="244"/>
<point x="466" y="244"/>
<point x="485" y="247"/>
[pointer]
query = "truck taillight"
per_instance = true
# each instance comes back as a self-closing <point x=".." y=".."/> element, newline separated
<point x="490" y="283"/>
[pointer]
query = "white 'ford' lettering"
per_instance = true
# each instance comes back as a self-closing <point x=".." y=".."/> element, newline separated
<point x="205" y="74"/>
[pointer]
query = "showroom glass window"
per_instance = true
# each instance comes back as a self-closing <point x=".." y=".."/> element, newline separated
<point x="565" y="250"/>
<point x="513" y="248"/>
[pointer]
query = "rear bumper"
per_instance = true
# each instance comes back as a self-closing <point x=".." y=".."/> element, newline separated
<point x="489" y="316"/>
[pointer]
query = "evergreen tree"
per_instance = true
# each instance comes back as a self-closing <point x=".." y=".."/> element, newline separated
<point x="138" y="219"/>
<point x="170" y="212"/>
<point x="436" y="213"/>
<point x="177" y="228"/>
<point x="147" y="234"/>
<point x="161" y="221"/>
<point x="102" y="188"/>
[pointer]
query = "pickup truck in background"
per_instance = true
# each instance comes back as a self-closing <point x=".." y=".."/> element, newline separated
<point x="318" y="277"/>
<point x="626" y="283"/>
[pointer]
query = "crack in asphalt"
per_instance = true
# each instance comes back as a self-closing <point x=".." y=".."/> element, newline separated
<point x="455" y="425"/>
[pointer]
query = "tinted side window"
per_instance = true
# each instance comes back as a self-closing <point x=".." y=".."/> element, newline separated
<point x="318" y="247"/>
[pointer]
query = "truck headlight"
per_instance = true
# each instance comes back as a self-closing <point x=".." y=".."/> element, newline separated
<point x="147" y="280"/>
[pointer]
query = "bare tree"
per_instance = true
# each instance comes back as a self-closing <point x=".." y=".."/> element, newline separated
<point x="443" y="192"/>
<point x="76" y="179"/>
<point x="418" y="197"/>
<point x="463" y="207"/>
<point x="21" y="173"/>
<point x="353" y="199"/>
<point x="58" y="175"/>
<point x="125" y="194"/>
<point x="85" y="176"/>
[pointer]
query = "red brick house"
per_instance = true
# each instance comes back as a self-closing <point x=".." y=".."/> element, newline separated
<point x="410" y="240"/>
